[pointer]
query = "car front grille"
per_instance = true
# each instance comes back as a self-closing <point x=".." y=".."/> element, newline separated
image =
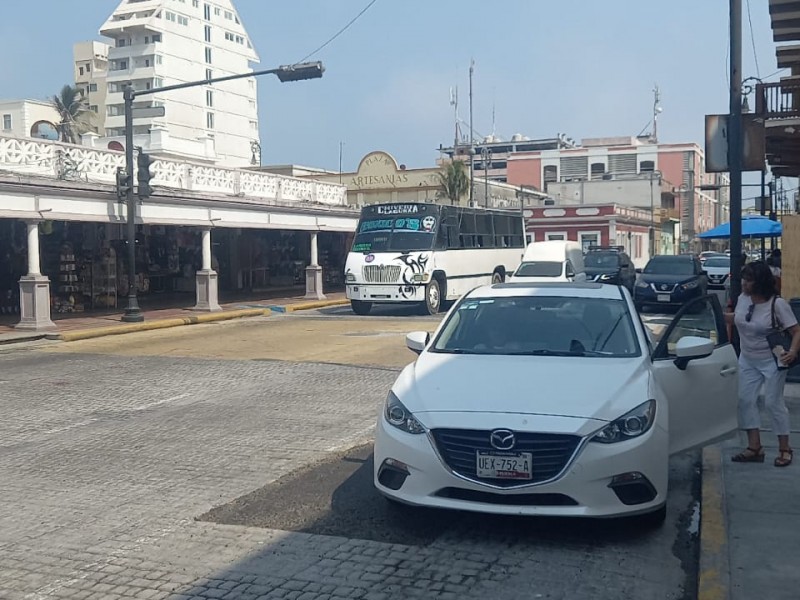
<point x="381" y="273"/>
<point x="550" y="453"/>
<point x="659" y="288"/>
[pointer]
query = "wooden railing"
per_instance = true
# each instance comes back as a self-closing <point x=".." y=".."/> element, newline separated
<point x="779" y="100"/>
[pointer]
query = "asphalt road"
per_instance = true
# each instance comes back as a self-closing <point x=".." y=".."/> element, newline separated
<point x="234" y="461"/>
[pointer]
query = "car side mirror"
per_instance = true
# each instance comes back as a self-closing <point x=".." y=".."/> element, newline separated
<point x="691" y="348"/>
<point x="417" y="340"/>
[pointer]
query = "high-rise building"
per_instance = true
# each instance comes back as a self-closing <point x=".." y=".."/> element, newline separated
<point x="91" y="65"/>
<point x="158" y="43"/>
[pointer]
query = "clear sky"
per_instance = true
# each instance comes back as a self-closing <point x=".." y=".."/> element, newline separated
<point x="580" y="67"/>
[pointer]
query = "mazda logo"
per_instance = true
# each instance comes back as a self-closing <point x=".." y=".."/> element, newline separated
<point x="502" y="439"/>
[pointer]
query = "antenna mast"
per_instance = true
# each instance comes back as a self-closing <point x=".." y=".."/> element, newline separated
<point x="656" y="110"/>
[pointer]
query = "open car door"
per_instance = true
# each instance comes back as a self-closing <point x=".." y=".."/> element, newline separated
<point x="702" y="391"/>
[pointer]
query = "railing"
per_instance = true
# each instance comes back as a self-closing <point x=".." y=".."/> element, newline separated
<point x="779" y="100"/>
<point x="43" y="158"/>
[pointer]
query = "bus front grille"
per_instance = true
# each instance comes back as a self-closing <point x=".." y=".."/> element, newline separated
<point x="381" y="273"/>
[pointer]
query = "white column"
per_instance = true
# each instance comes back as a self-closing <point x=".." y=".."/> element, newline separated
<point x="33" y="248"/>
<point x="314" y="249"/>
<point x="206" y="250"/>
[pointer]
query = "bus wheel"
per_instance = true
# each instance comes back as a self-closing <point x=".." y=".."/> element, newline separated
<point x="433" y="298"/>
<point x="360" y="307"/>
<point x="497" y="277"/>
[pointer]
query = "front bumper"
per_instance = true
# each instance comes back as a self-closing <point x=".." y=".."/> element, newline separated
<point x="670" y="297"/>
<point x="385" y="292"/>
<point x="582" y="489"/>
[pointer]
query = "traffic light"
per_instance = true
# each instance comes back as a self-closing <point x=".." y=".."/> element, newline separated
<point x="145" y="172"/>
<point x="124" y="183"/>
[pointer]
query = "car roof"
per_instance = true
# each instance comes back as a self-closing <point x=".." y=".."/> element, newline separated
<point x="683" y="257"/>
<point x="559" y="289"/>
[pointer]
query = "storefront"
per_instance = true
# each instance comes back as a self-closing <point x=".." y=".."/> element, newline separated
<point x="13" y="265"/>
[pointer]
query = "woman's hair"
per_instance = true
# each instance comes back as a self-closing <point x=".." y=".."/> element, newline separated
<point x="761" y="276"/>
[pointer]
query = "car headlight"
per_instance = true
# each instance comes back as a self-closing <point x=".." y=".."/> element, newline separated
<point x="642" y="284"/>
<point x="690" y="286"/>
<point x="399" y="416"/>
<point x="629" y="425"/>
<point x="350" y="278"/>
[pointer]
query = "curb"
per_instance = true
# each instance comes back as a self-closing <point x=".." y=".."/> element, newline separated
<point x="287" y="308"/>
<point x="714" y="572"/>
<point x="86" y="334"/>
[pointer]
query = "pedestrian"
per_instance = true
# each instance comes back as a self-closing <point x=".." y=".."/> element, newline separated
<point x="758" y="366"/>
<point x="774" y="263"/>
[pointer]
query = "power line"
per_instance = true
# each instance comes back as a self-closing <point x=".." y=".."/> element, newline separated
<point x="753" y="39"/>
<point x="340" y="32"/>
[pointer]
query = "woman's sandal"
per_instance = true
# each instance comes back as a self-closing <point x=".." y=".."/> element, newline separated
<point x="752" y="455"/>
<point x="784" y="458"/>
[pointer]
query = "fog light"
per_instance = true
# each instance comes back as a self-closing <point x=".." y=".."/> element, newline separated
<point x="393" y="474"/>
<point x="632" y="488"/>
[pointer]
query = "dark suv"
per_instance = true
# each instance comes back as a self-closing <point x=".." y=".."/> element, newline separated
<point x="609" y="264"/>
<point x="670" y="280"/>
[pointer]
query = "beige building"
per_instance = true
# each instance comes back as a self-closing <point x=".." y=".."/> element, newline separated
<point x="91" y="68"/>
<point x="380" y="179"/>
<point x="29" y="118"/>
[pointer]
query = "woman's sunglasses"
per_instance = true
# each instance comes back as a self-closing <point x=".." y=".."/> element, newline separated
<point x="748" y="317"/>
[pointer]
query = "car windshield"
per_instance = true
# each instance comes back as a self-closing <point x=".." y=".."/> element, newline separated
<point x="670" y="267"/>
<point x="539" y="269"/>
<point x="540" y="326"/>
<point x="398" y="234"/>
<point x="723" y="262"/>
<point x="602" y="259"/>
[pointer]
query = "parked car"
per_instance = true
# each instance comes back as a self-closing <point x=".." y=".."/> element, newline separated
<point x="502" y="411"/>
<point x="718" y="270"/>
<point x="610" y="264"/>
<point x="551" y="261"/>
<point x="670" y="280"/>
<point x="704" y="256"/>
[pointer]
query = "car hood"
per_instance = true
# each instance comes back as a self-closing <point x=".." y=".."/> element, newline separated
<point x="601" y="270"/>
<point x="660" y="278"/>
<point x="588" y="388"/>
<point x="718" y="270"/>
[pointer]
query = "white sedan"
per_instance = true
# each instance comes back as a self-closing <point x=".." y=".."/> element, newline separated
<point x="550" y="400"/>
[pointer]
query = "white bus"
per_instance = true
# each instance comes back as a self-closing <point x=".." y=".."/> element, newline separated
<point x="429" y="253"/>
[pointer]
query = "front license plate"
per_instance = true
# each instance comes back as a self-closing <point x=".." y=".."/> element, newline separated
<point x="663" y="297"/>
<point x="505" y="465"/>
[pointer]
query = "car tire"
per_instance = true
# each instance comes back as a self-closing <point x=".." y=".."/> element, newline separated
<point x="360" y="307"/>
<point x="433" y="298"/>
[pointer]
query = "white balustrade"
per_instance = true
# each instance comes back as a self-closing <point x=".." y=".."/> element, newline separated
<point x="44" y="158"/>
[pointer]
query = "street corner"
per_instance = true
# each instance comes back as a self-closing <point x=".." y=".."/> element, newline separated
<point x="714" y="569"/>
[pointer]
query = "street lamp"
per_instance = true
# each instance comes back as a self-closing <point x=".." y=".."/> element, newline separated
<point x="486" y="154"/>
<point x="296" y="72"/>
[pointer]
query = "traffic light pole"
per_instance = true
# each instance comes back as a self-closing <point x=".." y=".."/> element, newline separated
<point x="133" y="314"/>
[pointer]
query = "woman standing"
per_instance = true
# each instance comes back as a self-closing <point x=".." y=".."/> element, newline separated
<point x="757" y="366"/>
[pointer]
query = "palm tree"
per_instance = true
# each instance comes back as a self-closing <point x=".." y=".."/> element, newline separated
<point x="73" y="110"/>
<point x="453" y="181"/>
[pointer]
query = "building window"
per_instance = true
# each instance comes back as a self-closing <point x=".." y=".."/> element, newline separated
<point x="207" y="12"/>
<point x="208" y="55"/>
<point x="588" y="239"/>
<point x="121" y="42"/>
<point x="208" y="33"/>
<point x="217" y="11"/>
<point x="209" y="98"/>
<point x="229" y="15"/>
<point x="6" y="122"/>
<point x="93" y="108"/>
<point x="158" y="82"/>
<point x="146" y="62"/>
<point x="209" y="74"/>
<point x="156" y="37"/>
<point x="210" y="120"/>
<point x="555" y="236"/>
<point x="254" y="125"/>
<point x="183" y="21"/>
<point x="550" y="174"/>
<point x="88" y="67"/>
<point x="159" y="59"/>
<point x="647" y="166"/>
<point x="80" y="70"/>
<point x="92" y="87"/>
<point x="597" y="170"/>
<point x="196" y="3"/>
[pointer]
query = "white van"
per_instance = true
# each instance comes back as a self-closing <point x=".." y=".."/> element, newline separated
<point x="552" y="261"/>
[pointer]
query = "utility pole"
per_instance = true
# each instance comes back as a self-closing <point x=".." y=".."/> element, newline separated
<point x="762" y="211"/>
<point x="341" y="145"/>
<point x="133" y="314"/>
<point x="656" y="111"/>
<point x="487" y="158"/>
<point x="471" y="139"/>
<point x="652" y="219"/>
<point x="735" y="147"/>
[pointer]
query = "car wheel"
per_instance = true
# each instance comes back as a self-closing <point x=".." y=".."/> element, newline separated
<point x="360" y="307"/>
<point x="433" y="298"/>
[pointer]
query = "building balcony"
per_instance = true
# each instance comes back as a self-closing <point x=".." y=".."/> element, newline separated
<point x="779" y="104"/>
<point x="779" y="100"/>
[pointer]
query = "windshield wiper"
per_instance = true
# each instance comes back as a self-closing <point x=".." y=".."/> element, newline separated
<point x="545" y="352"/>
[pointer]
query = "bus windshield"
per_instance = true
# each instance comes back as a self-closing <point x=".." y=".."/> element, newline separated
<point x="385" y="233"/>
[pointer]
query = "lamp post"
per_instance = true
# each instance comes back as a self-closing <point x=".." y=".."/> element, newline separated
<point x="486" y="154"/>
<point x="652" y="213"/>
<point x="296" y="72"/>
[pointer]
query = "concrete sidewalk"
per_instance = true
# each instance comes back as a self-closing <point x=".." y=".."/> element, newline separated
<point x="750" y="521"/>
<point x="99" y="325"/>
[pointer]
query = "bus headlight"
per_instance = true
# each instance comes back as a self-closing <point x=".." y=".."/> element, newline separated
<point x="350" y="278"/>
<point x="421" y="277"/>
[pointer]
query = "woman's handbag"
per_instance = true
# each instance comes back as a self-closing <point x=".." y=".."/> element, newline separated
<point x="780" y="341"/>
